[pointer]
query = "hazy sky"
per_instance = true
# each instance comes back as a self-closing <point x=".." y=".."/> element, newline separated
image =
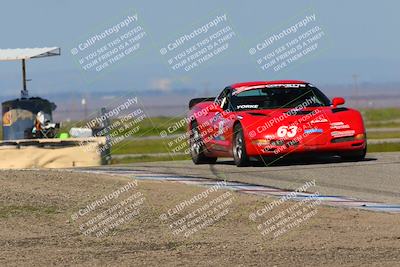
<point x="360" y="37"/>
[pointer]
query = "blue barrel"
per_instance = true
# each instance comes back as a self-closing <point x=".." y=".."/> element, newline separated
<point x="19" y="116"/>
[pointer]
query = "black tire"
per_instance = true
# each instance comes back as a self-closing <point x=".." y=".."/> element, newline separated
<point x="239" y="147"/>
<point x="354" y="155"/>
<point x="197" y="148"/>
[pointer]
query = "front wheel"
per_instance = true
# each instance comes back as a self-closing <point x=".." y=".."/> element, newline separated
<point x="354" y="155"/>
<point x="239" y="147"/>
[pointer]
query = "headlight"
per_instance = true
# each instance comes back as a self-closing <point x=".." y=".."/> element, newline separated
<point x="359" y="136"/>
<point x="261" y="142"/>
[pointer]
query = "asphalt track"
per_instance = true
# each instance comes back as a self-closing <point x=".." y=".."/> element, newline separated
<point x="377" y="178"/>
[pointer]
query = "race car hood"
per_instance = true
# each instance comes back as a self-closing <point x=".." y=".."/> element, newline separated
<point x="339" y="121"/>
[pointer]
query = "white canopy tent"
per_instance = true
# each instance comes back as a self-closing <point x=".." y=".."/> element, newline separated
<point x="24" y="54"/>
<point x="28" y="53"/>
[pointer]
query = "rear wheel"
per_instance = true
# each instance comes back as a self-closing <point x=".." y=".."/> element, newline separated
<point x="197" y="148"/>
<point x="354" y="155"/>
<point x="239" y="147"/>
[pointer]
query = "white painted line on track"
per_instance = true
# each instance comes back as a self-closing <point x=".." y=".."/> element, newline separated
<point x="260" y="190"/>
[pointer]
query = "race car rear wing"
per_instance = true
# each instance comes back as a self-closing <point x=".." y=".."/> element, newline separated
<point x="195" y="101"/>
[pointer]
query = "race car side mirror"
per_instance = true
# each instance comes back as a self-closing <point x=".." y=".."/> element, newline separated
<point x="338" y="101"/>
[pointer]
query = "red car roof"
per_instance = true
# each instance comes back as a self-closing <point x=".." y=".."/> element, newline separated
<point x="238" y="85"/>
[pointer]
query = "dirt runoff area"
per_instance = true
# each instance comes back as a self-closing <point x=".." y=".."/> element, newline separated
<point x="63" y="218"/>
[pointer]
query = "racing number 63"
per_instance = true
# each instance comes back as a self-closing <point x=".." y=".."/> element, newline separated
<point x="289" y="131"/>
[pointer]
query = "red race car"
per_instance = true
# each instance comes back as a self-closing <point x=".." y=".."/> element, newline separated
<point x="270" y="119"/>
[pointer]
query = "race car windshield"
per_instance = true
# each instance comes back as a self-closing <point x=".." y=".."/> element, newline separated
<point x="273" y="98"/>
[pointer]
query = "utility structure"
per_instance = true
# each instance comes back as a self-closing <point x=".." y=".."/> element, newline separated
<point x="19" y="114"/>
<point x="28" y="139"/>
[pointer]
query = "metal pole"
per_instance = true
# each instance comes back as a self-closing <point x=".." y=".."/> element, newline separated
<point x="106" y="153"/>
<point x="24" y="92"/>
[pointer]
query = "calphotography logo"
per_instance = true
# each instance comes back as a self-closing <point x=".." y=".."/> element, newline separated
<point x="198" y="212"/>
<point x="288" y="217"/>
<point x="200" y="45"/>
<point x="115" y="211"/>
<point x="110" y="46"/>
<point x="289" y="45"/>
